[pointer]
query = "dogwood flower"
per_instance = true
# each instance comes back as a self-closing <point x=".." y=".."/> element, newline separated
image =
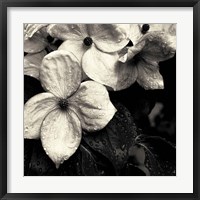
<point x="58" y="116"/>
<point x="35" y="38"/>
<point x="37" y="43"/>
<point x="32" y="63"/>
<point x="139" y="62"/>
<point x="88" y="41"/>
<point x="153" y="47"/>
<point x="137" y="31"/>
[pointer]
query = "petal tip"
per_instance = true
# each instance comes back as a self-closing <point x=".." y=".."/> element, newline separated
<point x="57" y="165"/>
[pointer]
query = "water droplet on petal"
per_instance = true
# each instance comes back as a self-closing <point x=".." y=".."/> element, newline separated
<point x="66" y="157"/>
<point x="99" y="107"/>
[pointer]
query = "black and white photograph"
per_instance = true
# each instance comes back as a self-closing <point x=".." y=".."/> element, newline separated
<point x="99" y="99"/>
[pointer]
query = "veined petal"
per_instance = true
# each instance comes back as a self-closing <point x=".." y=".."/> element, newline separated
<point x="105" y="69"/>
<point x="158" y="46"/>
<point x="167" y="28"/>
<point x="35" y="44"/>
<point x="109" y="37"/>
<point x="60" y="73"/>
<point x="35" y="111"/>
<point x="149" y="76"/>
<point x="32" y="63"/>
<point x="126" y="75"/>
<point x="130" y="52"/>
<point x="67" y="31"/>
<point x="92" y="104"/>
<point x="31" y="29"/>
<point x="60" y="135"/>
<point x="75" y="47"/>
<point x="135" y="33"/>
<point x="170" y="29"/>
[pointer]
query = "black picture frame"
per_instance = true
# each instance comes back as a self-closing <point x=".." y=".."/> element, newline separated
<point x="4" y="4"/>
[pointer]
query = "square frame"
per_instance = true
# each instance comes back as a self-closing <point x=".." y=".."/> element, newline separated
<point x="89" y="3"/>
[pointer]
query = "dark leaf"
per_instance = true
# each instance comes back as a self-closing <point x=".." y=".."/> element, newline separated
<point x="160" y="155"/>
<point x="137" y="160"/>
<point x="72" y="166"/>
<point x="115" y="139"/>
<point x="89" y="163"/>
<point x="132" y="170"/>
<point x="40" y="164"/>
<point x="86" y="162"/>
<point x="28" y="148"/>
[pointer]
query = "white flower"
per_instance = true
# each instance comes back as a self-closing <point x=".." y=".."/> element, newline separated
<point x="91" y="44"/>
<point x="35" y="38"/>
<point x="137" y="63"/>
<point x="152" y="47"/>
<point x="59" y="115"/>
<point x="32" y="63"/>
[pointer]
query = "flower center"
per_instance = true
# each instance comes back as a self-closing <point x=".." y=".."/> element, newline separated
<point x="145" y="28"/>
<point x="88" y="41"/>
<point x="63" y="104"/>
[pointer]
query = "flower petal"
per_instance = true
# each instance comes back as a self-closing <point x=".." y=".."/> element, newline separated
<point x="60" y="73"/>
<point x="35" y="111"/>
<point x="92" y="104"/>
<point x="167" y="28"/>
<point x="35" y="44"/>
<point x="126" y="75"/>
<point x="60" y="135"/>
<point x="109" y="37"/>
<point x="67" y="31"/>
<point x="105" y="69"/>
<point x="149" y="76"/>
<point x="129" y="52"/>
<point x="135" y="33"/>
<point x="136" y="30"/>
<point x="32" y="63"/>
<point x="158" y="46"/>
<point x="75" y="47"/>
<point x="31" y="29"/>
